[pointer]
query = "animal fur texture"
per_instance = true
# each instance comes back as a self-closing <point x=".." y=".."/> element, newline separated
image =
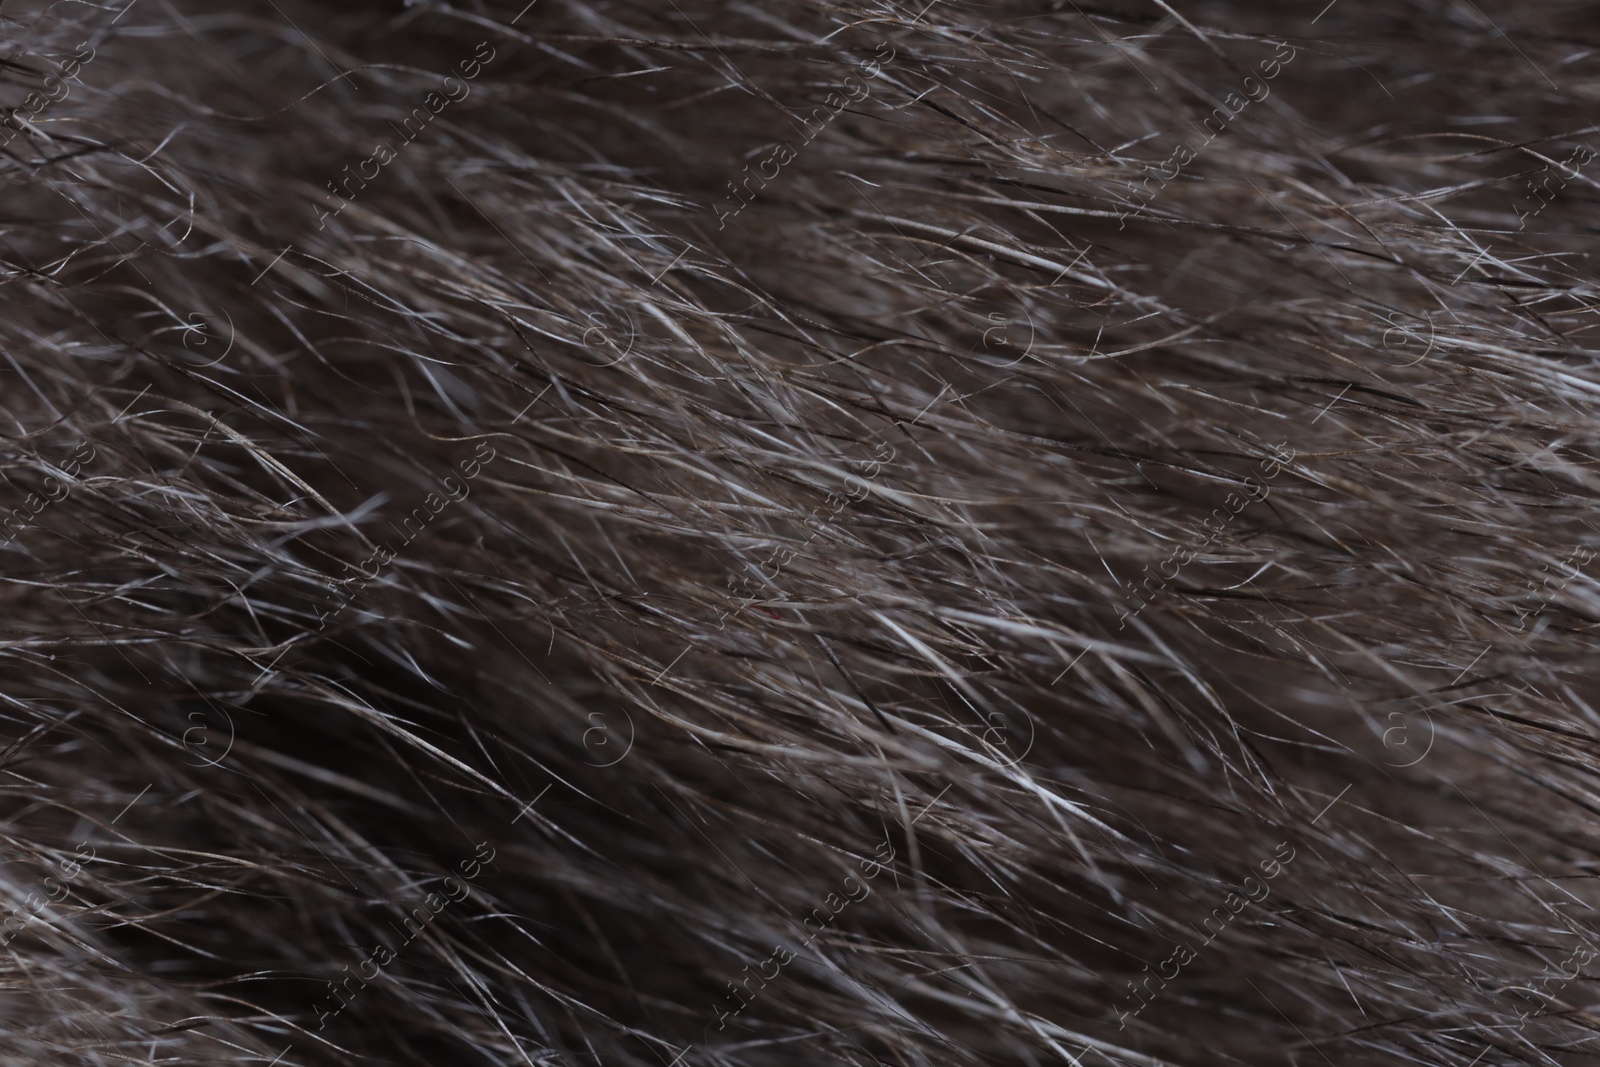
<point x="731" y="533"/>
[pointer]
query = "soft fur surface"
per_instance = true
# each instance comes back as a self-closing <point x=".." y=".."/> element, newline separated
<point x="799" y="533"/>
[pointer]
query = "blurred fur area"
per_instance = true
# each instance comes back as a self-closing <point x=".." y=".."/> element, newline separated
<point x="736" y="533"/>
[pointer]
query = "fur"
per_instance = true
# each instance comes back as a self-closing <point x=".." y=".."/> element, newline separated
<point x="1117" y="477"/>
